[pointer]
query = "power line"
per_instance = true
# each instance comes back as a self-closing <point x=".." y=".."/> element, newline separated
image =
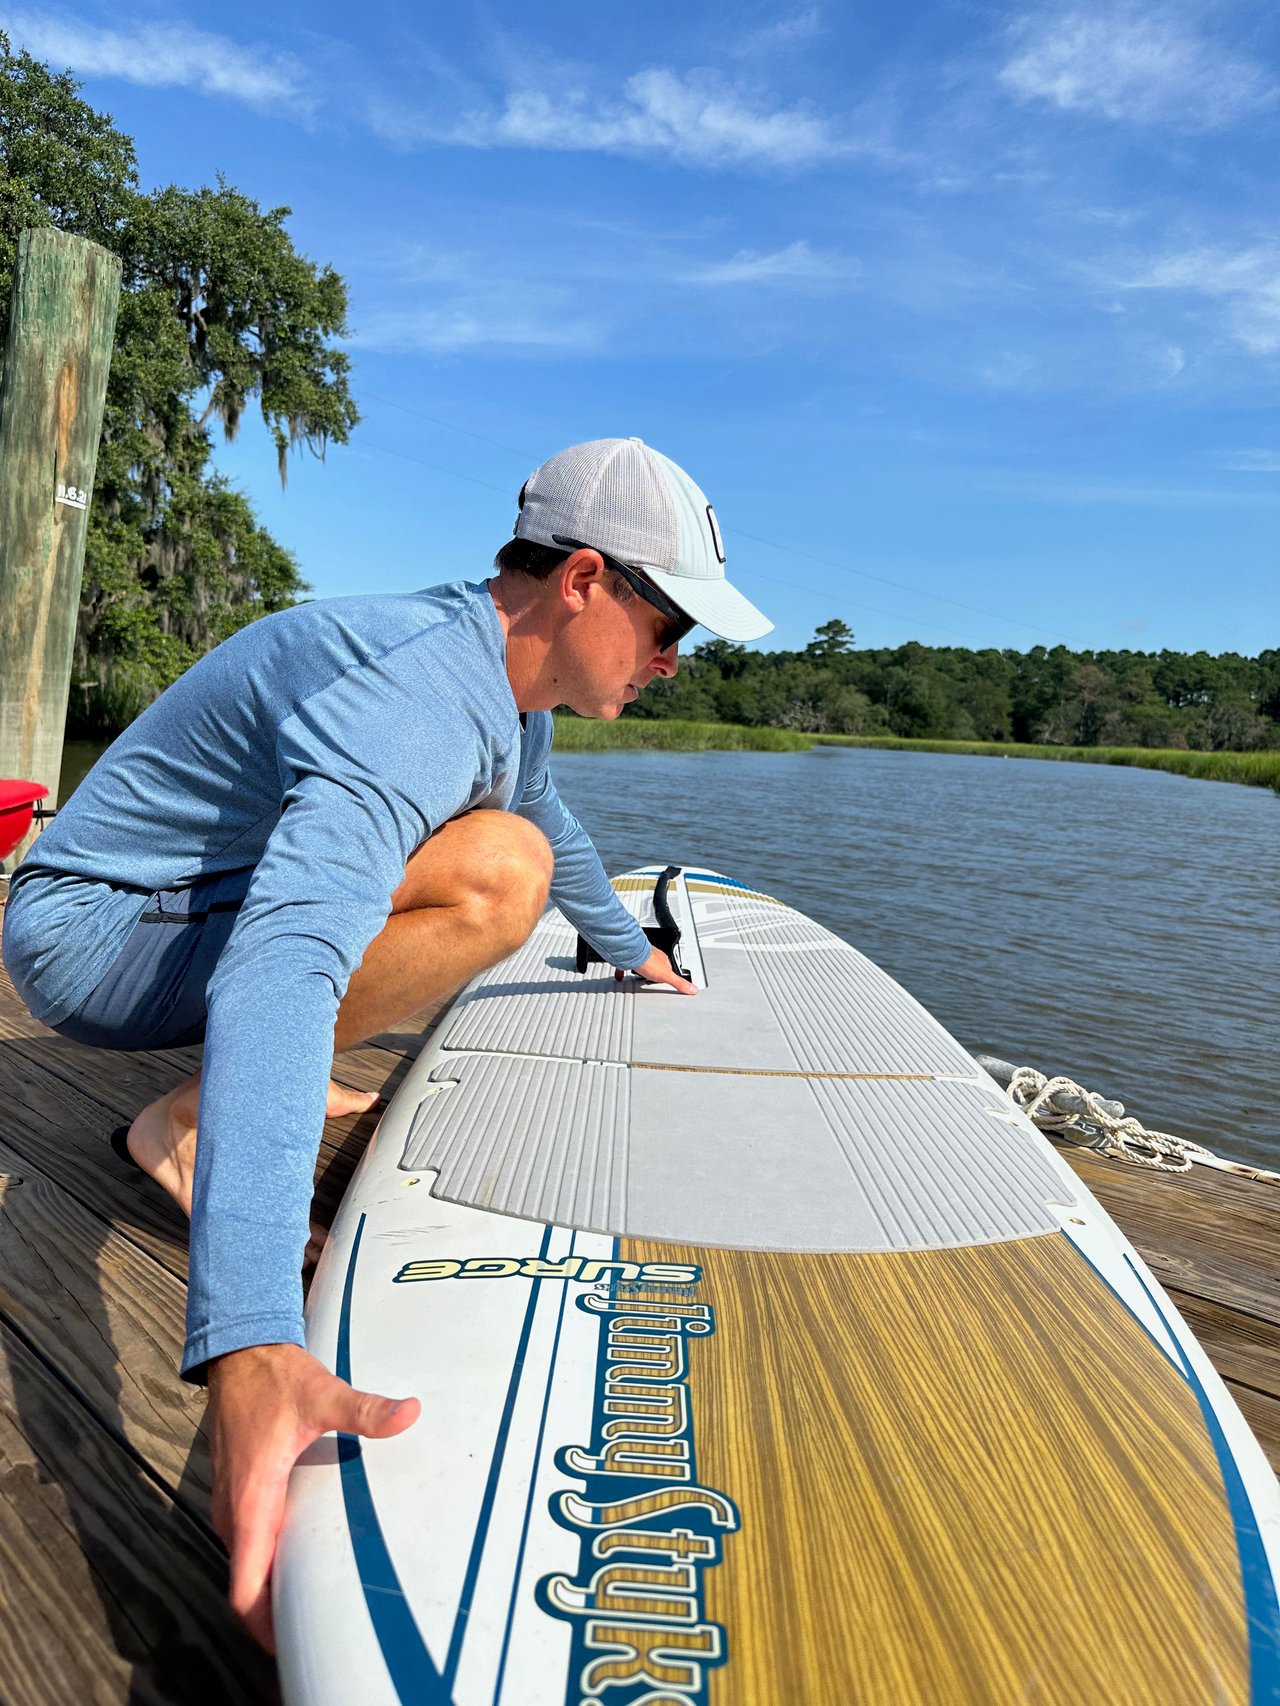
<point x="752" y="574"/>
<point x="848" y="604"/>
<point x="404" y="456"/>
<point x="741" y="533"/>
<point x="900" y="586"/>
<point x="449" y="426"/>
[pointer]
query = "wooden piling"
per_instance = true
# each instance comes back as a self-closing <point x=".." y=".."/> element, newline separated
<point x="58" y="353"/>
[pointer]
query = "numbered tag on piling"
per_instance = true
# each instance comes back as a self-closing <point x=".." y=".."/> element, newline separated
<point x="75" y="496"/>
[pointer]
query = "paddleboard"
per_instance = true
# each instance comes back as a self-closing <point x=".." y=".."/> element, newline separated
<point x="767" y="1355"/>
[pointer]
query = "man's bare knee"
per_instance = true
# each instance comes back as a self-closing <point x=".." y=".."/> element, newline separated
<point x="466" y="857"/>
<point x="508" y="878"/>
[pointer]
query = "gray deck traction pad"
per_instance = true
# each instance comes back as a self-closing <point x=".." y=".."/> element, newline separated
<point x="801" y="1101"/>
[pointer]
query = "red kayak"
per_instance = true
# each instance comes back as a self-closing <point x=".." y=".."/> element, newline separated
<point x="17" y="805"/>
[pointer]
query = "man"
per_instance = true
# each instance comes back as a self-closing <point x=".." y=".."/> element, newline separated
<point x="336" y="816"/>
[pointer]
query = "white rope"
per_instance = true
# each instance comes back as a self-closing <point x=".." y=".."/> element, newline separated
<point x="1104" y="1126"/>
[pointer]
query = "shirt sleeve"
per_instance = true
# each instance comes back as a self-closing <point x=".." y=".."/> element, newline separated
<point x="357" y="800"/>
<point x="579" y="886"/>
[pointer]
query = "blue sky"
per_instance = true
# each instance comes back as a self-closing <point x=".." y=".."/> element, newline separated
<point x="967" y="317"/>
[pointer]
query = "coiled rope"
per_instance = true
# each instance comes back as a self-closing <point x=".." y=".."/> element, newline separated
<point x="1063" y="1108"/>
<point x="1125" y="1136"/>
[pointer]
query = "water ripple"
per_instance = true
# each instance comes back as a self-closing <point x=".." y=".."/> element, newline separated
<point x="1117" y="925"/>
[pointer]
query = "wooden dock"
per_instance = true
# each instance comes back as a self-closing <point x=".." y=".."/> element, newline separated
<point x="113" y="1580"/>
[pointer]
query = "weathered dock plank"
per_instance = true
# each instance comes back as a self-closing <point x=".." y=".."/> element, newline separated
<point x="110" y="1317"/>
<point x="1246" y="1353"/>
<point x="1262" y="1412"/>
<point x="112" y="1593"/>
<point x="60" y="1127"/>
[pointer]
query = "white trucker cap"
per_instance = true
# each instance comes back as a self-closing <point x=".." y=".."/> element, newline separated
<point x="624" y="500"/>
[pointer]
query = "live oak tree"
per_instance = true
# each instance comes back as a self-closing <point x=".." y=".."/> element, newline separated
<point x="219" y="312"/>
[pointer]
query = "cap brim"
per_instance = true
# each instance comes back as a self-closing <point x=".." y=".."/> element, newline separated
<point x="714" y="604"/>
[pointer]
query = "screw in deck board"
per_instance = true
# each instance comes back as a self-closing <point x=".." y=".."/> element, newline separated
<point x="61" y="327"/>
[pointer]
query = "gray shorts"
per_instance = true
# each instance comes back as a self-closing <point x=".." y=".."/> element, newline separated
<point x="154" y="994"/>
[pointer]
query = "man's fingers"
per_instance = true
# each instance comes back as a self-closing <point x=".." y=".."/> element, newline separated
<point x="658" y="969"/>
<point x="381" y="1418"/>
<point x="267" y="1403"/>
<point x="315" y="1245"/>
<point x="252" y="1545"/>
<point x="347" y="1411"/>
<point x="259" y="1621"/>
<point x="678" y="983"/>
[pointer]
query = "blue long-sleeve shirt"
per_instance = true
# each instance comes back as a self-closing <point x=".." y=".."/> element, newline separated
<point x="321" y="746"/>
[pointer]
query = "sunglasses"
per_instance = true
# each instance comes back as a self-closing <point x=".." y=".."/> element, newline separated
<point x="678" y="624"/>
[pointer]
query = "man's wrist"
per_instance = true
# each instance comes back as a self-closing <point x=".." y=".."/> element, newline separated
<point x="207" y="1344"/>
<point x="246" y="1358"/>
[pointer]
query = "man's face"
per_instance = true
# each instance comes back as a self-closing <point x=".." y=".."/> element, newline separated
<point x="611" y="651"/>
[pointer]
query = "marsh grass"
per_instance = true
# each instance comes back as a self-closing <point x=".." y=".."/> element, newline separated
<point x="580" y="734"/>
<point x="1255" y="769"/>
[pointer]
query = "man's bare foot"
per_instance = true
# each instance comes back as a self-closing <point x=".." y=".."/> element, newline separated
<point x="339" y="1102"/>
<point x="162" y="1140"/>
<point x="342" y="1101"/>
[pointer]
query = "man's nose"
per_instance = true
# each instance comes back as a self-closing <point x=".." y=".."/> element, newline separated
<point x="668" y="662"/>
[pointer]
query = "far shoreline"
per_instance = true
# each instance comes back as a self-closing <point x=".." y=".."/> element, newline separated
<point x="631" y="734"/>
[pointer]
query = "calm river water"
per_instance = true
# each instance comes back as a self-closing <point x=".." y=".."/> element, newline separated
<point x="1116" y="925"/>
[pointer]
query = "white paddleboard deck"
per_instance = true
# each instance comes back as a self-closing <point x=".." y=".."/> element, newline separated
<point x="611" y="1236"/>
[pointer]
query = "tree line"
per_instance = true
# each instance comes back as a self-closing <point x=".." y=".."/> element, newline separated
<point x="1051" y="696"/>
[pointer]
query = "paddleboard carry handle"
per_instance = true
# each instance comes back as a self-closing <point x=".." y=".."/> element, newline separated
<point x="665" y="934"/>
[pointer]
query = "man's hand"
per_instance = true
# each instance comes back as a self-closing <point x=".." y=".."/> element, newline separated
<point x="266" y="1405"/>
<point x="658" y="969"/>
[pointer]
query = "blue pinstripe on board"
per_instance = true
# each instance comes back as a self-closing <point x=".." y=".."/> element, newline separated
<point x="414" y="1676"/>
<point x="533" y="1482"/>
<point x="1262" y="1608"/>
<point x="491" y="1485"/>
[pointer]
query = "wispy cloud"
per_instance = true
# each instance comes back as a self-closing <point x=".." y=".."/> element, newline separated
<point x="1117" y="216"/>
<point x="1246" y="282"/>
<point x="694" y="118"/>
<point x="1008" y="369"/>
<point x="783" y="35"/>
<point x="1143" y="66"/>
<point x="173" y="55"/>
<point x="1252" y="461"/>
<point x="1171" y="358"/>
<point x="497" y="324"/>
<point x="796" y="264"/>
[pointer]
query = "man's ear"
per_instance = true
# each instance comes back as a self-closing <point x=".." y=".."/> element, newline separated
<point x="579" y="571"/>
